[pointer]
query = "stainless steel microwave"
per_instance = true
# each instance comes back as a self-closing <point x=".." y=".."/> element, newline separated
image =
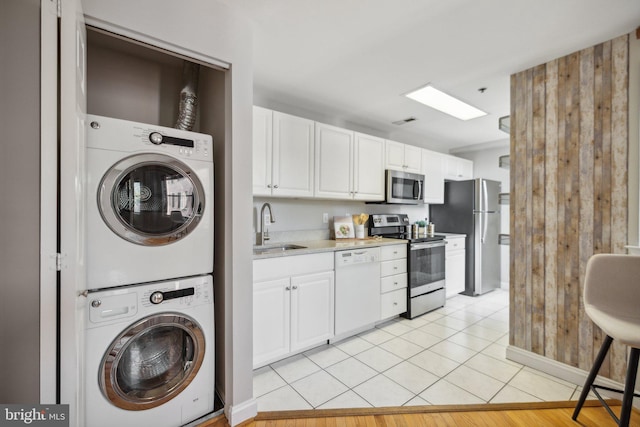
<point x="403" y="187"/>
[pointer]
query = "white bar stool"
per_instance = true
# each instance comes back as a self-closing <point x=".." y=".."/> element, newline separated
<point x="612" y="302"/>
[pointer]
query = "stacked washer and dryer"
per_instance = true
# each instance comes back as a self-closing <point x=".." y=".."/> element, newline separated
<point x="149" y="329"/>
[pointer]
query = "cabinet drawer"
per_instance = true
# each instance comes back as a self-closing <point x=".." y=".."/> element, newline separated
<point x="392" y="283"/>
<point x="294" y="265"/>
<point x="389" y="268"/>
<point x="393" y="252"/>
<point x="456" y="243"/>
<point x="393" y="303"/>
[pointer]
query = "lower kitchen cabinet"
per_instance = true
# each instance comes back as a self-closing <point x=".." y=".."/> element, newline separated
<point x="393" y="280"/>
<point x="291" y="313"/>
<point x="455" y="266"/>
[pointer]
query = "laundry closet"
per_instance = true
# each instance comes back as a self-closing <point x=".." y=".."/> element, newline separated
<point x="137" y="64"/>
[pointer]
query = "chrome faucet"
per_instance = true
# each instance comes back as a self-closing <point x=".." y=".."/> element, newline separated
<point x="264" y="234"/>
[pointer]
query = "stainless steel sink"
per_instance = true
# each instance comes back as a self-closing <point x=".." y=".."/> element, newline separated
<point x="260" y="250"/>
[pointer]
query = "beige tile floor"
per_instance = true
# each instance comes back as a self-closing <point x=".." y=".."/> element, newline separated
<point x="453" y="355"/>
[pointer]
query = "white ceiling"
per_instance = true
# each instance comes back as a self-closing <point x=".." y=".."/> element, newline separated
<point x="352" y="60"/>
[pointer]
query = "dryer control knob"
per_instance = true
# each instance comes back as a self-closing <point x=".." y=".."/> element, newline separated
<point x="156" y="297"/>
<point x="96" y="303"/>
<point x="155" y="138"/>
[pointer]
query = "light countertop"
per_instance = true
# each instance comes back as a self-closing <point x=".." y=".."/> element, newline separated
<point x="451" y="235"/>
<point x="319" y="246"/>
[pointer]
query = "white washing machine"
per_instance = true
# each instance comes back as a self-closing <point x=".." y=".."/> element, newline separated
<point x="149" y="203"/>
<point x="150" y="354"/>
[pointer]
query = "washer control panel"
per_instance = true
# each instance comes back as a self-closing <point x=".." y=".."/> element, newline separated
<point x="117" y="304"/>
<point x="158" y="296"/>
<point x="121" y="135"/>
<point x="178" y="295"/>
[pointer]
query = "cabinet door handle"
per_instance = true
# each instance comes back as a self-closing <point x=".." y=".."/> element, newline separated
<point x="268" y="185"/>
<point x="295" y="287"/>
<point x="275" y="186"/>
<point x="287" y="288"/>
<point x="395" y="303"/>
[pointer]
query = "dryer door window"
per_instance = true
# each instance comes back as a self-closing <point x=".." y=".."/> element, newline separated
<point x="151" y="199"/>
<point x="152" y="361"/>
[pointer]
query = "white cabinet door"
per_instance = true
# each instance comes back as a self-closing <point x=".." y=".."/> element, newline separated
<point x="348" y="165"/>
<point x="262" y="150"/>
<point x="311" y="309"/>
<point x="455" y="266"/>
<point x="403" y="157"/>
<point x="368" y="168"/>
<point x="333" y="162"/>
<point x="293" y="141"/>
<point x="394" y="155"/>
<point x="458" y="169"/>
<point x="271" y="320"/>
<point x="412" y="159"/>
<point x="465" y="169"/>
<point x="433" y="164"/>
<point x="393" y="303"/>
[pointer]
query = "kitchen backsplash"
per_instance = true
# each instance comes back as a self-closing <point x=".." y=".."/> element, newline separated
<point x="301" y="219"/>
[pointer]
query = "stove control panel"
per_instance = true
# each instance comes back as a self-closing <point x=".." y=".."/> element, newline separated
<point x="389" y="220"/>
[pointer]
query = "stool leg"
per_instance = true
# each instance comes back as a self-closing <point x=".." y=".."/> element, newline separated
<point x="629" y="387"/>
<point x="592" y="374"/>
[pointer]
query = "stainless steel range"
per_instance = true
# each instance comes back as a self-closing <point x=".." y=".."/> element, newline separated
<point x="425" y="262"/>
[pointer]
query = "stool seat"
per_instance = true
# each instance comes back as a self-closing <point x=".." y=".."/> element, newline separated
<point x="612" y="302"/>
<point x="624" y="328"/>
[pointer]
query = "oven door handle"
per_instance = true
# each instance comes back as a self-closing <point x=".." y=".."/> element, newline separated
<point x="428" y="245"/>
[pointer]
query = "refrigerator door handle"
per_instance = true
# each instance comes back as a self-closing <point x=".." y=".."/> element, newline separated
<point x="484" y="219"/>
<point x="485" y="196"/>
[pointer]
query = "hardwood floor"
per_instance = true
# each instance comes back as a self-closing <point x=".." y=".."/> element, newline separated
<point x="556" y="414"/>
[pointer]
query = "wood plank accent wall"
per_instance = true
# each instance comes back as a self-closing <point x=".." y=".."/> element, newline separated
<point x="569" y="144"/>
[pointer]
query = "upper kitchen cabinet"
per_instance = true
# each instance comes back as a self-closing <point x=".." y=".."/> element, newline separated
<point x="262" y="150"/>
<point x="333" y="162"/>
<point x="433" y="167"/>
<point x="403" y="157"/>
<point x="458" y="169"/>
<point x="282" y="154"/>
<point x="348" y="165"/>
<point x="368" y="168"/>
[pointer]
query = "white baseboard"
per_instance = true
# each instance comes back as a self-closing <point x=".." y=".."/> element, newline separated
<point x="238" y="413"/>
<point x="560" y="370"/>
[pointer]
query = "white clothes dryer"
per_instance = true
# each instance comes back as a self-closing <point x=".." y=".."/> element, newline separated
<point x="149" y="354"/>
<point x="149" y="203"/>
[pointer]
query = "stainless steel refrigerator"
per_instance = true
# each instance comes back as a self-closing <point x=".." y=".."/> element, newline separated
<point x="471" y="208"/>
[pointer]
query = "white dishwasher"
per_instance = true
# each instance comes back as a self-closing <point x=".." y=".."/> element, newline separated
<point x="357" y="289"/>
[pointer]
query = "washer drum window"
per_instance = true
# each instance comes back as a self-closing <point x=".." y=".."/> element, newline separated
<point x="151" y="199"/>
<point x="152" y="361"/>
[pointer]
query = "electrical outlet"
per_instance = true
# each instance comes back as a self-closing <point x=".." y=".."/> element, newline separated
<point x="325" y="218"/>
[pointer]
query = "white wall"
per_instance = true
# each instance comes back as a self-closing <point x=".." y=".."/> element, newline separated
<point x="20" y="262"/>
<point x="485" y="165"/>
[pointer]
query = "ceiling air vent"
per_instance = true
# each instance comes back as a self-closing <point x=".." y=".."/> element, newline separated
<point x="404" y="121"/>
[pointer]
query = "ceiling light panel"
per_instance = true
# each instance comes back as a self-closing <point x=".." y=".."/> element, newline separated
<point x="434" y="98"/>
